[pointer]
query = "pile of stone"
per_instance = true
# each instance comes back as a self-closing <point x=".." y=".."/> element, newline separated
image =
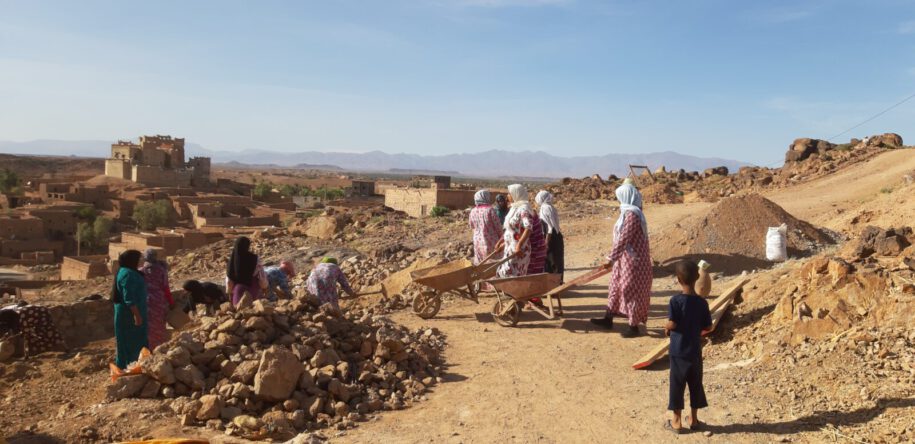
<point x="265" y="371"/>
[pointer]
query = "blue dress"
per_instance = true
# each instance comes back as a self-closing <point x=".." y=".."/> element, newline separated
<point x="130" y="338"/>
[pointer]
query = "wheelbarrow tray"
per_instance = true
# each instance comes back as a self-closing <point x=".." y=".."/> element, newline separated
<point x="446" y="277"/>
<point x="523" y="288"/>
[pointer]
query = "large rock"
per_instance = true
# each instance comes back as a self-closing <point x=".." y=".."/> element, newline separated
<point x="210" y="407"/>
<point x="128" y="386"/>
<point x="190" y="376"/>
<point x="160" y="368"/>
<point x="325" y="227"/>
<point x="277" y="375"/>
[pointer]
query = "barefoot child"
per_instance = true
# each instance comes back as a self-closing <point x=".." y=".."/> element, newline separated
<point x="688" y="315"/>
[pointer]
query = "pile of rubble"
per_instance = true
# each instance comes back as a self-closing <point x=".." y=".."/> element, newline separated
<point x="265" y="371"/>
<point x="732" y="234"/>
<point x="839" y="316"/>
<point x="805" y="159"/>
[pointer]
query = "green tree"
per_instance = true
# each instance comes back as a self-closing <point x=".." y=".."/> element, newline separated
<point x="85" y="235"/>
<point x="262" y="189"/>
<point x="9" y="181"/>
<point x="86" y="213"/>
<point x="438" y="211"/>
<point x="149" y="215"/>
<point x="101" y="230"/>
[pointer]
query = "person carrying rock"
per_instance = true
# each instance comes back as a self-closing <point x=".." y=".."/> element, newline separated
<point x="687" y="316"/>
<point x="159" y="299"/>
<point x="323" y="279"/>
<point x="630" y="281"/>
<point x="244" y="273"/>
<point x="278" y="280"/>
<point x="128" y="293"/>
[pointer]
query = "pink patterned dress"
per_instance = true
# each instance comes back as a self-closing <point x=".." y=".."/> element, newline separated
<point x="486" y="231"/>
<point x="158" y="302"/>
<point x="517" y="265"/>
<point x="630" y="281"/>
<point x="322" y="283"/>
<point x="538" y="248"/>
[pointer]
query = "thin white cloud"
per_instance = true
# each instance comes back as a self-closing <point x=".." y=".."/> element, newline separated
<point x="906" y="27"/>
<point x="780" y="15"/>
<point x="511" y="3"/>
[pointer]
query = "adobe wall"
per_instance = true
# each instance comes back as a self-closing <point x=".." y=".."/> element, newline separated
<point x="15" y="248"/>
<point x="79" y="268"/>
<point x="416" y="202"/>
<point x="455" y="199"/>
<point x="156" y="176"/>
<point x="25" y="228"/>
<point x="118" y="168"/>
<point x="58" y="220"/>
<point x="363" y="188"/>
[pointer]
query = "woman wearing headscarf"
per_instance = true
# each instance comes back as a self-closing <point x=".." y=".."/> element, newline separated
<point x="501" y="208"/>
<point x="33" y="323"/>
<point x="323" y="279"/>
<point x="555" y="246"/>
<point x="521" y="226"/>
<point x="245" y="273"/>
<point x="159" y="297"/>
<point x="130" y="314"/>
<point x="630" y="281"/>
<point x="485" y="225"/>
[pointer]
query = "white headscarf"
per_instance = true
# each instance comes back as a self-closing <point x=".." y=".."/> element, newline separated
<point x="630" y="202"/>
<point x="519" y="203"/>
<point x="482" y="197"/>
<point x="548" y="213"/>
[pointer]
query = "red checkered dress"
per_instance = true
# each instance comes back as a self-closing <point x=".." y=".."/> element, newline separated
<point x="630" y="281"/>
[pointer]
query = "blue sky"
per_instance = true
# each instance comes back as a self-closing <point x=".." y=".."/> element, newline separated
<point x="725" y="78"/>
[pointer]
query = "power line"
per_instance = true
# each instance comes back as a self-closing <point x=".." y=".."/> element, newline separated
<point x="895" y="105"/>
<point x="874" y="116"/>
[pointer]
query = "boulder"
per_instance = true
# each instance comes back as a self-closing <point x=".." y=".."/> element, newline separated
<point x="210" y="407"/>
<point x="191" y="376"/>
<point x="325" y="227"/>
<point x="245" y="372"/>
<point x="158" y="367"/>
<point x="277" y="374"/>
<point x="128" y="386"/>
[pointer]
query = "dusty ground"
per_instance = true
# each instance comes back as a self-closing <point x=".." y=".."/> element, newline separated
<point x="546" y="381"/>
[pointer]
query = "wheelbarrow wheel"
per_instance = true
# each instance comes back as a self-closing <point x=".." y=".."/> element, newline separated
<point x="509" y="319"/>
<point x="427" y="304"/>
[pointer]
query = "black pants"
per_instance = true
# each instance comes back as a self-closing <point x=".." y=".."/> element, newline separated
<point x="555" y="254"/>
<point x="686" y="372"/>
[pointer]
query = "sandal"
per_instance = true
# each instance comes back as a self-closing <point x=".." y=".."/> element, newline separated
<point x="699" y="425"/>
<point x="669" y="427"/>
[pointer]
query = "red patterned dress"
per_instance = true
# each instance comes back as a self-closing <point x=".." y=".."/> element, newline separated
<point x="486" y="231"/>
<point x="630" y="281"/>
<point x="538" y="248"/>
<point x="158" y="303"/>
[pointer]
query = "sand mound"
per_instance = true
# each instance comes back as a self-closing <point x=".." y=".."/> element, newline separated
<point x="661" y="193"/>
<point x="733" y="233"/>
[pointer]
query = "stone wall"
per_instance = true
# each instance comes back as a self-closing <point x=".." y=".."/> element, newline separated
<point x="416" y="202"/>
<point x="85" y="321"/>
<point x="156" y="176"/>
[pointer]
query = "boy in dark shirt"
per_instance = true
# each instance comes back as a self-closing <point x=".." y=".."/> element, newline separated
<point x="688" y="315"/>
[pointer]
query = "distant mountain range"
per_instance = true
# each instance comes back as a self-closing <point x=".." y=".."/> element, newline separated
<point x="493" y="163"/>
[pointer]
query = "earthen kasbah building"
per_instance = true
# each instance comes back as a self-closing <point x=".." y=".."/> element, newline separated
<point x="157" y="161"/>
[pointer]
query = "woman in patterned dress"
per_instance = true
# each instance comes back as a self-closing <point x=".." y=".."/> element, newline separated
<point x="34" y="324"/>
<point x="159" y="297"/>
<point x="485" y="225"/>
<point x="323" y="280"/>
<point x="630" y="282"/>
<point x="519" y="227"/>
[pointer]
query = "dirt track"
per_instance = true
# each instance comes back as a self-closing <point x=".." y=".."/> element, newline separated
<point x="564" y="381"/>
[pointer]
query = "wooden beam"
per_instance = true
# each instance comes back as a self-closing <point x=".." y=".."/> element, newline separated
<point x="720" y="304"/>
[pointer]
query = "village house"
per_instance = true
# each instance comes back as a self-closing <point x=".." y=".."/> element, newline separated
<point x="418" y="202"/>
<point x="157" y="161"/>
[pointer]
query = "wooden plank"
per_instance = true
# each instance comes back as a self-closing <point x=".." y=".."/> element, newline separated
<point x="580" y="280"/>
<point x="719" y="303"/>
